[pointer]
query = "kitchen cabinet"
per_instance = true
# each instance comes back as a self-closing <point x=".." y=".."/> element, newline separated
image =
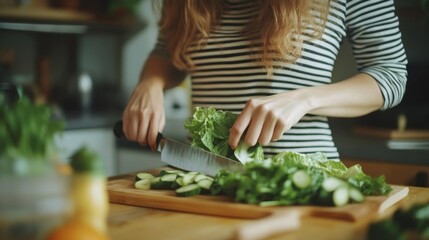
<point x="51" y="48"/>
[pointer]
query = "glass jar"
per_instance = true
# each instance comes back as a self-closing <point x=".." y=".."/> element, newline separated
<point x="31" y="206"/>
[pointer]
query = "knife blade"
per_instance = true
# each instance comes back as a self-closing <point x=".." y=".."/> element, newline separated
<point x="186" y="157"/>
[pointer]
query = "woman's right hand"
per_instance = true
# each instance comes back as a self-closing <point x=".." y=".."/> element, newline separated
<point x="144" y="114"/>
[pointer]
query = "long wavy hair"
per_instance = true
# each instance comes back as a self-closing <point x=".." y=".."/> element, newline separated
<point x="283" y="24"/>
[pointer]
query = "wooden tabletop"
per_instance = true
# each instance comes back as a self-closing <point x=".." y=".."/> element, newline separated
<point x="128" y="222"/>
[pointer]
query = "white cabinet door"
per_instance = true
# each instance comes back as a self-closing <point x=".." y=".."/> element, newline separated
<point x="100" y="140"/>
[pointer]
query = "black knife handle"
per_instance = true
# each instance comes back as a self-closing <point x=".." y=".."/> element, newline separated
<point x="118" y="130"/>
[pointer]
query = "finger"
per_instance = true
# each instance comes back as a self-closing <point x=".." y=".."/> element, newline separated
<point x="278" y="130"/>
<point x="154" y="129"/>
<point x="129" y="128"/>
<point x="268" y="128"/>
<point x="162" y="122"/>
<point x="240" y="126"/>
<point x="255" y="126"/>
<point x="133" y="129"/>
<point x="130" y="123"/>
<point x="125" y="123"/>
<point x="143" y="130"/>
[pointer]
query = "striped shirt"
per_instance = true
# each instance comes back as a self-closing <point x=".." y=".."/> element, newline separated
<point x="227" y="73"/>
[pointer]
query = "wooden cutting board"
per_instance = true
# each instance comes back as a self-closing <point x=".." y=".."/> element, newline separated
<point x="122" y="191"/>
<point x="268" y="219"/>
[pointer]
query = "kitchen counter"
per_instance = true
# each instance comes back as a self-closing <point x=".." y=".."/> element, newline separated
<point x="354" y="146"/>
<point x="406" y="166"/>
<point x="129" y="222"/>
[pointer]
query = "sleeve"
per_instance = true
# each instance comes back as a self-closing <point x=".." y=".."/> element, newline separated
<point x="373" y="31"/>
<point x="160" y="48"/>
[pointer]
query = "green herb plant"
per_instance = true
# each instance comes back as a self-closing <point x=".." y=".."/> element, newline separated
<point x="27" y="133"/>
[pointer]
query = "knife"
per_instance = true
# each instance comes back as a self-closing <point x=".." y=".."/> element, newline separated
<point x="187" y="157"/>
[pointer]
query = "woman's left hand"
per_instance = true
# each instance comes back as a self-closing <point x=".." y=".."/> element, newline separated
<point x="266" y="119"/>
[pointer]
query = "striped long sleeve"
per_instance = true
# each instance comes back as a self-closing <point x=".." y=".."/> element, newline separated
<point x="377" y="46"/>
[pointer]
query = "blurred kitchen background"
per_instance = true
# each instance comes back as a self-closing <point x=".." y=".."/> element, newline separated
<point x="84" y="58"/>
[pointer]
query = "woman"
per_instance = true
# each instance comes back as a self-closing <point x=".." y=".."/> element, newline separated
<point x="271" y="61"/>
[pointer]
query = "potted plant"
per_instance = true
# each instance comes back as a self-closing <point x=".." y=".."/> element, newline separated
<point x="27" y="133"/>
<point x="34" y="195"/>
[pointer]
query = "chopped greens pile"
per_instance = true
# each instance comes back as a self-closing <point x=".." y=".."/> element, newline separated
<point x="291" y="178"/>
<point x="353" y="175"/>
<point x="268" y="183"/>
<point x="287" y="178"/>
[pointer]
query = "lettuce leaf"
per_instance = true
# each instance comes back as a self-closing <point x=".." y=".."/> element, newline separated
<point x="209" y="129"/>
<point x="367" y="184"/>
<point x="317" y="160"/>
<point x="245" y="153"/>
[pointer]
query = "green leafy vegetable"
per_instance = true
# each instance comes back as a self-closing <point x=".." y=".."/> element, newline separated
<point x="292" y="178"/>
<point x="85" y="160"/>
<point x="245" y="153"/>
<point x="354" y="175"/>
<point x="317" y="160"/>
<point x="367" y="184"/>
<point x="411" y="223"/>
<point x="209" y="130"/>
<point x="271" y="183"/>
<point x="27" y="133"/>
